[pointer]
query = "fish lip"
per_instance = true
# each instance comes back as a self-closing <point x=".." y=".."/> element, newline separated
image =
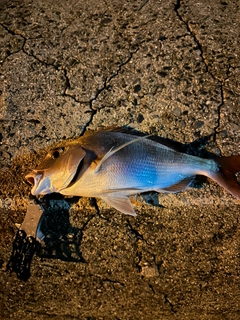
<point x="34" y="178"/>
<point x="30" y="179"/>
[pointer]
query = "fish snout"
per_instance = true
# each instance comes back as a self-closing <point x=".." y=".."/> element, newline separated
<point x="33" y="179"/>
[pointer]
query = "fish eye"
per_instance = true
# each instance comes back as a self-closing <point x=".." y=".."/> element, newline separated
<point x="56" y="153"/>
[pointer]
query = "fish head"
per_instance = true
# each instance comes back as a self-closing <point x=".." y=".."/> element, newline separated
<point x="57" y="170"/>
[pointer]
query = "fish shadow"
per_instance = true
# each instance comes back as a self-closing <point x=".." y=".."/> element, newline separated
<point x="61" y="240"/>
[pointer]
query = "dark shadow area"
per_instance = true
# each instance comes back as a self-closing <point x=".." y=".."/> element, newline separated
<point x="61" y="241"/>
<point x="195" y="148"/>
<point x="23" y="250"/>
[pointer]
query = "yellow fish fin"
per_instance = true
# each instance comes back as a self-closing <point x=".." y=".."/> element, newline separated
<point x="120" y="203"/>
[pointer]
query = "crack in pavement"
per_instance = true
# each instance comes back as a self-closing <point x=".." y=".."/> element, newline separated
<point x="30" y="54"/>
<point x="93" y="203"/>
<point x="82" y="229"/>
<point x="143" y="5"/>
<point x="46" y="64"/>
<point x="68" y="86"/>
<point x="165" y="298"/>
<point x="52" y="314"/>
<point x="200" y="47"/>
<point x="106" y="81"/>
<point x="218" y="124"/>
<point x="109" y="280"/>
<point x="13" y="34"/>
<point x="138" y="237"/>
<point x="158" y="264"/>
<point x="167" y="301"/>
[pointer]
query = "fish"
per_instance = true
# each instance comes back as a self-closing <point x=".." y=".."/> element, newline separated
<point x="113" y="164"/>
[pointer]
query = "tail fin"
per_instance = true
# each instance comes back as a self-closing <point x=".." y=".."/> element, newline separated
<point x="228" y="167"/>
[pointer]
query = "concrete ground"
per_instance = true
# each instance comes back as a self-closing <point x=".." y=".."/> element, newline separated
<point x="169" y="68"/>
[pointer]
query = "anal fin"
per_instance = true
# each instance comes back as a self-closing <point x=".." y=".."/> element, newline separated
<point x="180" y="186"/>
<point x="121" y="203"/>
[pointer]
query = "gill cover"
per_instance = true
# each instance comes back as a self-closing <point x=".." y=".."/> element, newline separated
<point x="56" y="171"/>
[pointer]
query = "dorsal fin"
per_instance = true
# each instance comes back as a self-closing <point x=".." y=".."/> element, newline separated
<point x="112" y="151"/>
<point x="174" y="145"/>
<point x="114" y="129"/>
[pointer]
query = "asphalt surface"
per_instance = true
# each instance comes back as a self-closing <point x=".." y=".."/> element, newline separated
<point x="169" y="68"/>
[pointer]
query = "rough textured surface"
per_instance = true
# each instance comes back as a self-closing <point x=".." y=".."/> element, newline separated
<point x="165" y="67"/>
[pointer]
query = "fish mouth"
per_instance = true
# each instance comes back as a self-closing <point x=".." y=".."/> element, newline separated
<point x="42" y="184"/>
<point x="39" y="185"/>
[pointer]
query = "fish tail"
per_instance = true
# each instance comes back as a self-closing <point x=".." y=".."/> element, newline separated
<point x="227" y="168"/>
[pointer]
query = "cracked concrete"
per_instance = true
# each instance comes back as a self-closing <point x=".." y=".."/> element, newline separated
<point x="169" y="68"/>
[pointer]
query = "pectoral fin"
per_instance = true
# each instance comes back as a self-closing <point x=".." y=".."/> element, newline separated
<point x="120" y="203"/>
<point x="114" y="150"/>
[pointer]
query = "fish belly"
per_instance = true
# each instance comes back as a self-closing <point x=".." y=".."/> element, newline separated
<point x="146" y="176"/>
